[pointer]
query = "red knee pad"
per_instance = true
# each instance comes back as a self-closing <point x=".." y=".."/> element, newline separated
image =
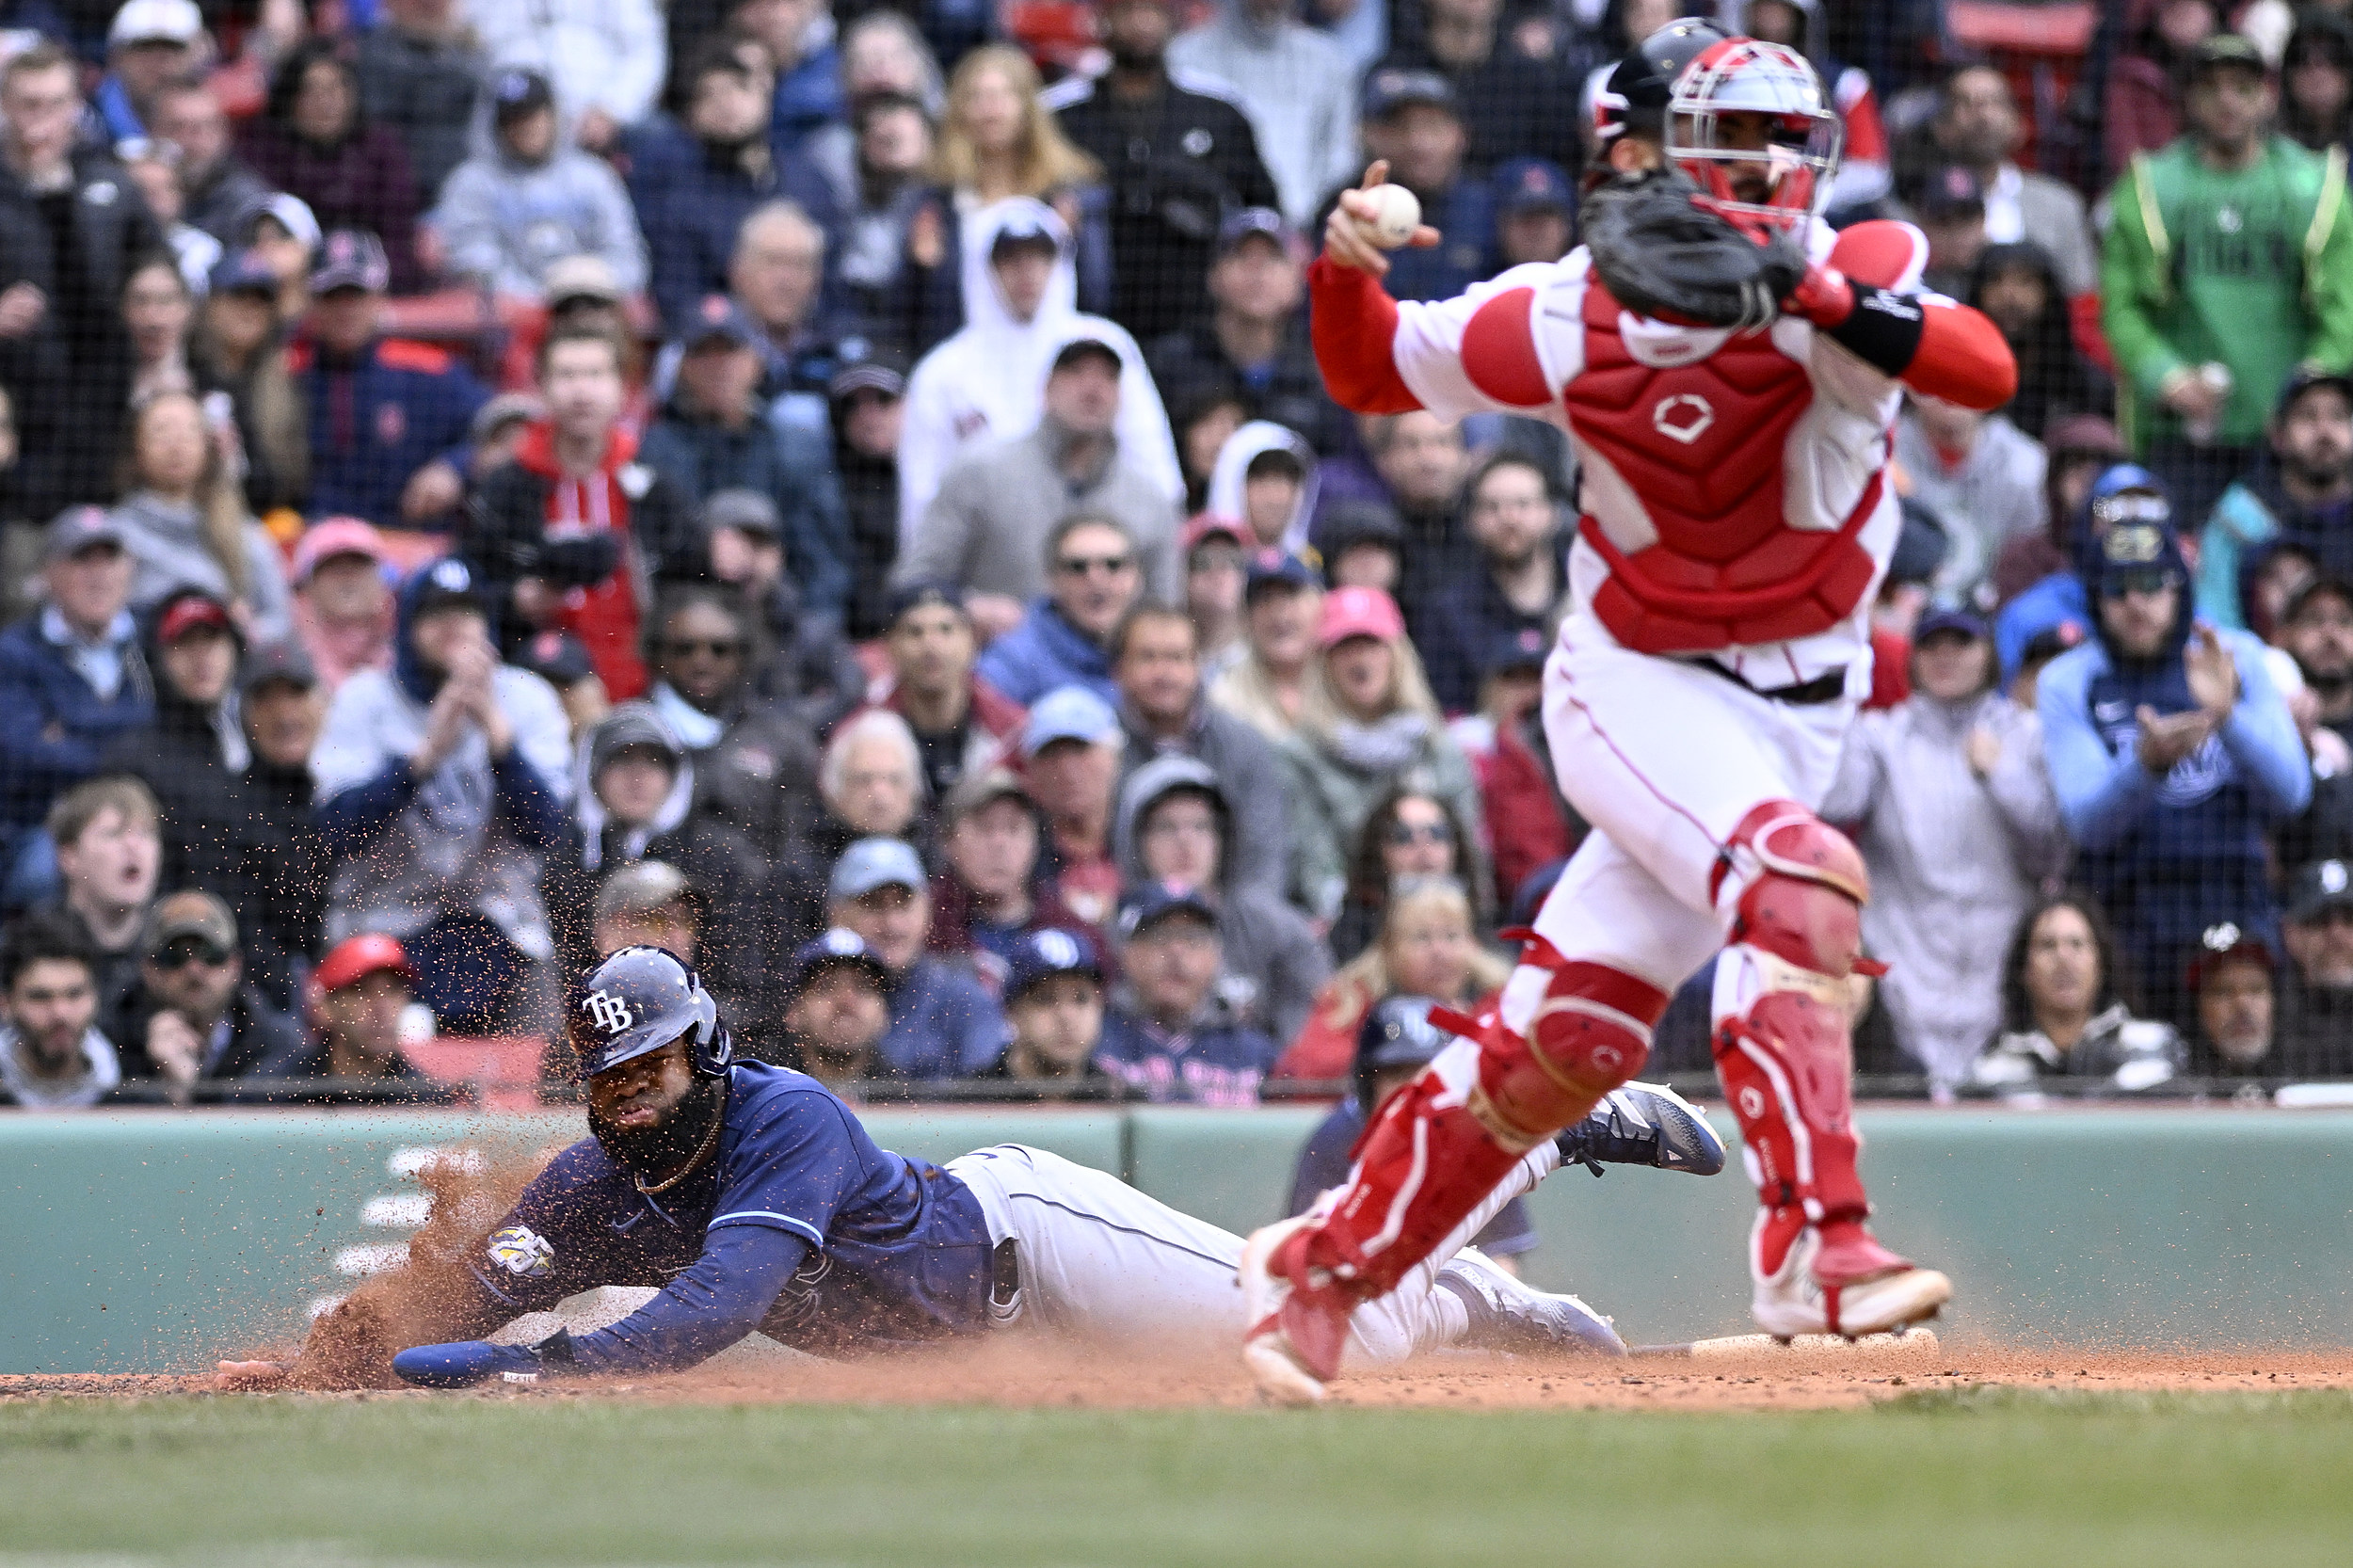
<point x="1805" y="903"/>
<point x="1590" y="1034"/>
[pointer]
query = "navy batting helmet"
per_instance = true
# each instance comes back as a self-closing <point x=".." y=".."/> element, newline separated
<point x="1396" y="1032"/>
<point x="638" y="1000"/>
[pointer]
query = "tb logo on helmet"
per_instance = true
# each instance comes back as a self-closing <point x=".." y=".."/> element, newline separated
<point x="608" y="1011"/>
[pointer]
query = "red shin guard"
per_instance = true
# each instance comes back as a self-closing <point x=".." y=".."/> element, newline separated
<point x="1787" y="1061"/>
<point x="1440" y="1145"/>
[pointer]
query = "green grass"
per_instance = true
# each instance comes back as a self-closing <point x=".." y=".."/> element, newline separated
<point x="1983" y="1478"/>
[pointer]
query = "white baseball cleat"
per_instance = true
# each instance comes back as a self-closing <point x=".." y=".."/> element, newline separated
<point x="1509" y="1316"/>
<point x="1793" y="1300"/>
<point x="1279" y="1367"/>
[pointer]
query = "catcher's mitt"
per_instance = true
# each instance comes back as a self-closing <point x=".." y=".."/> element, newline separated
<point x="1661" y="255"/>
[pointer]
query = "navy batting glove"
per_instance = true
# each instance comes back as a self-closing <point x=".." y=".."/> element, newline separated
<point x="471" y="1361"/>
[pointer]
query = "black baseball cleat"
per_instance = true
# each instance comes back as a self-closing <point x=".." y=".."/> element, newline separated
<point x="1516" y="1318"/>
<point x="1643" y="1124"/>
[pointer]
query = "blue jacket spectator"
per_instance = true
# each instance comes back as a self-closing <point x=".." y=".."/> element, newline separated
<point x="441" y="785"/>
<point x="2125" y="493"/>
<point x="695" y="181"/>
<point x="716" y="433"/>
<point x="2171" y="754"/>
<point x="1044" y="652"/>
<point x="381" y="409"/>
<point x="943" y="1023"/>
<point x="1092" y="578"/>
<point x="72" y="678"/>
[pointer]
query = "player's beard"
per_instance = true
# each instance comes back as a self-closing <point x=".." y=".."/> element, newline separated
<point x="656" y="1152"/>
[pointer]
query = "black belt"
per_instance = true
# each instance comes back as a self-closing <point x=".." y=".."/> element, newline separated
<point x="1806" y="694"/>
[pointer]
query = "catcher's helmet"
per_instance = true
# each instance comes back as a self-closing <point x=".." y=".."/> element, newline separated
<point x="1634" y="99"/>
<point x="1396" y="1032"/>
<point x="1799" y="150"/>
<point x="638" y="1000"/>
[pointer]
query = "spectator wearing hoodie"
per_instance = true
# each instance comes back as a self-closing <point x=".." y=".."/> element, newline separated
<point x="943" y="1023"/>
<point x="1093" y="577"/>
<point x="1174" y="1034"/>
<point x="72" y="674"/>
<point x="606" y="58"/>
<point x="715" y="433"/>
<point x="1982" y="477"/>
<point x="1366" y="724"/>
<point x="567" y="535"/>
<point x="187" y="525"/>
<point x="2079" y="448"/>
<point x="2123" y="493"/>
<point x="441" y="788"/>
<point x="988" y="380"/>
<point x="634" y="800"/>
<point x="1947" y="798"/>
<point x="313" y="141"/>
<point x="530" y="201"/>
<point x="421" y="71"/>
<point x="1156" y="658"/>
<point x="986" y="526"/>
<point x="2298" y="493"/>
<point x="989" y="897"/>
<point x="962" y="725"/>
<point x="276" y="867"/>
<point x="2172" y="755"/>
<point x="343" y="599"/>
<point x="1177" y="827"/>
<point x="389" y="419"/>
<point x="194" y="751"/>
<point x="1265" y="480"/>
<point x="1517" y="585"/>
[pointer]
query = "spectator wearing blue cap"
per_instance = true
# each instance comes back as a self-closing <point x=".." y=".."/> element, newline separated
<point x="1252" y="341"/>
<point x="2123" y="492"/>
<point x="943" y="1023"/>
<point x="2172" y="755"/>
<point x="1948" y="798"/>
<point x="1412" y="118"/>
<point x="1054" y="1008"/>
<point x="1094" y="574"/>
<point x="715" y="434"/>
<point x="837" y="1010"/>
<point x="1282" y="607"/>
<point x="529" y="200"/>
<point x="1535" y="210"/>
<point x="1173" y="1035"/>
<point x="1178" y="827"/>
<point x="1071" y="746"/>
<point x="1171" y="150"/>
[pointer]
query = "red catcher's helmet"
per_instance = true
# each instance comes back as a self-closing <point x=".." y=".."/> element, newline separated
<point x="1802" y="134"/>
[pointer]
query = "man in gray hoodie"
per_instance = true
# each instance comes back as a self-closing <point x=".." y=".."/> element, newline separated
<point x="510" y="213"/>
<point x="1175" y="826"/>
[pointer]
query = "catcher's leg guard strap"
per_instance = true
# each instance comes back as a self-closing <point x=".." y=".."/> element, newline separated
<point x="1590" y="1032"/>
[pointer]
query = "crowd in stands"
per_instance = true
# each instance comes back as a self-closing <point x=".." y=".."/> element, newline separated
<point x="844" y="493"/>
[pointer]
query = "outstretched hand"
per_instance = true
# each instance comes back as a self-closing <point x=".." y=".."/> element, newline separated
<point x="1348" y="233"/>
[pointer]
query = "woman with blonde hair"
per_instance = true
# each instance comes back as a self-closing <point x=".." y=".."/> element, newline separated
<point x="185" y="521"/>
<point x="1429" y="947"/>
<point x="996" y="141"/>
<point x="1367" y="725"/>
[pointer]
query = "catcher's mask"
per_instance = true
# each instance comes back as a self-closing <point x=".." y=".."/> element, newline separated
<point x="1722" y="100"/>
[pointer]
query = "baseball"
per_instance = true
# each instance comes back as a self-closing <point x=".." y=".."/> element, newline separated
<point x="1397" y="213"/>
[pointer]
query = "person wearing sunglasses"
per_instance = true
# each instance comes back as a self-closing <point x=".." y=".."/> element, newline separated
<point x="1094" y="577"/>
<point x="192" y="1016"/>
<point x="1411" y="833"/>
<point x="2172" y="754"/>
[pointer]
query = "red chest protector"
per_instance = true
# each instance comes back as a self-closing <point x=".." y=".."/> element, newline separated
<point x="1702" y="444"/>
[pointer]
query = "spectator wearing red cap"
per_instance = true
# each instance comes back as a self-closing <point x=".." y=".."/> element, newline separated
<point x="356" y="1003"/>
<point x="2233" y="989"/>
<point x="1366" y="724"/>
<point x="192" y="754"/>
<point x="1215" y="576"/>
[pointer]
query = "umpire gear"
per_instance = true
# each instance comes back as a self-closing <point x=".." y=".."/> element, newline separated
<point x="638" y="1000"/>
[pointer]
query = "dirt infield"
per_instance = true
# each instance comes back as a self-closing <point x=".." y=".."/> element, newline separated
<point x="1020" y="1376"/>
